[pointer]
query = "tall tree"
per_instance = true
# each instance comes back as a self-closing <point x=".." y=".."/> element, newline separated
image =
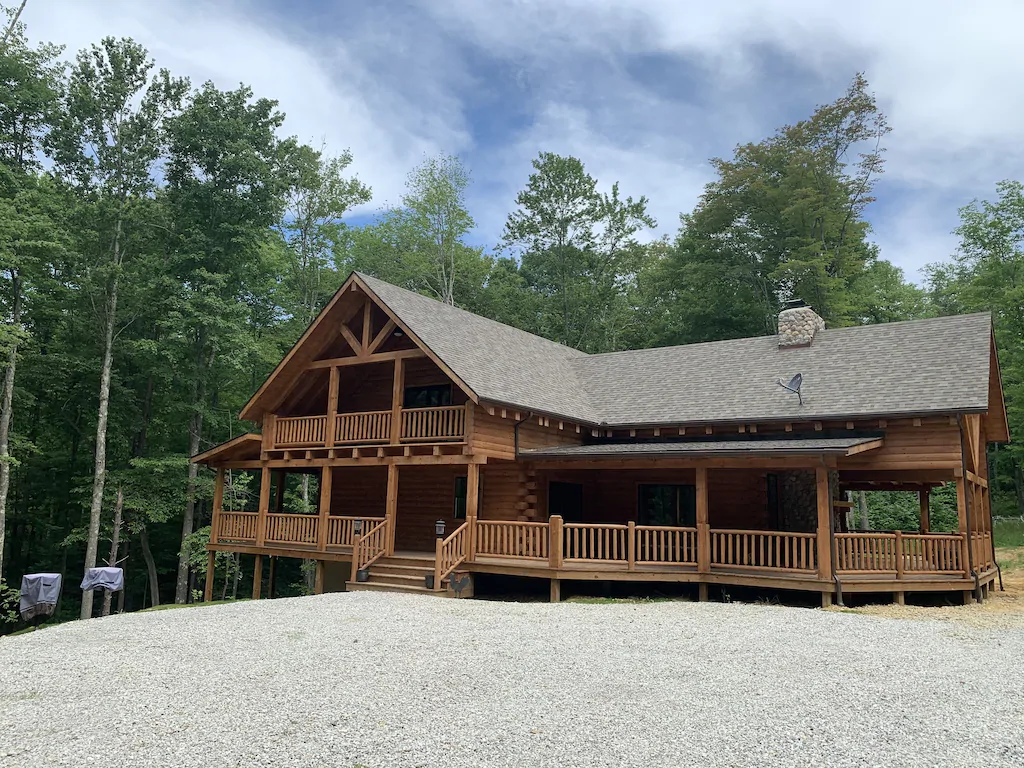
<point x="783" y="219"/>
<point x="226" y="188"/>
<point x="576" y="246"/>
<point x="108" y="139"/>
<point x="29" y="88"/>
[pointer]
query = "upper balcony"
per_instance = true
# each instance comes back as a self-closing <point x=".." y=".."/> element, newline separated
<point x="401" y="426"/>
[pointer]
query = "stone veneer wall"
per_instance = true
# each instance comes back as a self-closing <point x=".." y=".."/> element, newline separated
<point x="797" y="326"/>
<point x="798" y="500"/>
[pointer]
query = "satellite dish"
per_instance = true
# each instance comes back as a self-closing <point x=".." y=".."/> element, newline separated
<point x="794" y="385"/>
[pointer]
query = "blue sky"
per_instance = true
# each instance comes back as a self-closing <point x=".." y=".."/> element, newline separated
<point x="644" y="92"/>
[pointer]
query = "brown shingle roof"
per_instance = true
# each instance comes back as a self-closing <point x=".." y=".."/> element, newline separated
<point x="939" y="365"/>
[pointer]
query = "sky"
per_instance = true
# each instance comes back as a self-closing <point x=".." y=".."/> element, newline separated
<point x="644" y="92"/>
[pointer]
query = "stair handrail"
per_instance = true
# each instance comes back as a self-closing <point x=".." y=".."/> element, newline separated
<point x="449" y="554"/>
<point x="369" y="547"/>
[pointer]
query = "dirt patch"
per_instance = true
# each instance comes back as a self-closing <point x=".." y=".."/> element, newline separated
<point x="1001" y="609"/>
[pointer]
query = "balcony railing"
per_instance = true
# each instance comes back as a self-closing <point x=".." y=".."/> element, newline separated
<point x="277" y="529"/>
<point x="418" y="425"/>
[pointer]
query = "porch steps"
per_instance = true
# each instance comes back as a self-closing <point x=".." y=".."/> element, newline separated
<point x="401" y="572"/>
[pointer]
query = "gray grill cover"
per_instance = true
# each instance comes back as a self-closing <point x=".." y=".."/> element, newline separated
<point x="104" y="578"/>
<point x="39" y="594"/>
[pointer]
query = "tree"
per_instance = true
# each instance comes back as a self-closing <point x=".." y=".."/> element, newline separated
<point x="29" y="86"/>
<point x="783" y="219"/>
<point x="987" y="274"/>
<point x="108" y="138"/>
<point x="226" y="188"/>
<point x="576" y="246"/>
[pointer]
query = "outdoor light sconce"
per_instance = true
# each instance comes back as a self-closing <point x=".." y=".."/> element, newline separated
<point x="357" y="527"/>
<point x="439" y="529"/>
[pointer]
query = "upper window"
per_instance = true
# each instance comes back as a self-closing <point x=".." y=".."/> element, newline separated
<point x="428" y="397"/>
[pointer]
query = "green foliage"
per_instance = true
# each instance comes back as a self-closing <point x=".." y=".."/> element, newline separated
<point x="1008" y="531"/>
<point x="9" y="597"/>
<point x="901" y="511"/>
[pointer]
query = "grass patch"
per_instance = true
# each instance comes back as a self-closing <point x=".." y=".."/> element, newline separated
<point x="1008" y="531"/>
<point x="172" y="606"/>
<point x="1010" y="559"/>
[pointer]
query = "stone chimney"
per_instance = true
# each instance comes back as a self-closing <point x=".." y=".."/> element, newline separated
<point x="798" y="324"/>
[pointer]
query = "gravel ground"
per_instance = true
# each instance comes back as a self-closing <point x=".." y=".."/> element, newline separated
<point x="391" y="680"/>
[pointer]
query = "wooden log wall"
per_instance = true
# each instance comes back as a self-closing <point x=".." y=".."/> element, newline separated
<point x="425" y="494"/>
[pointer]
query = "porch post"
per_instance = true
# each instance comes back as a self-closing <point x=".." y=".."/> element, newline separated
<point x="324" y="509"/>
<point x="703" y="527"/>
<point x="211" y="560"/>
<point x="391" y="506"/>
<point x="397" y="393"/>
<point x="261" y="520"/>
<point x="330" y="433"/>
<point x="823" y="536"/>
<point x="218" y="505"/>
<point x="472" y="504"/>
<point x="257" y="577"/>
<point x="923" y="498"/>
<point x="961" y="514"/>
<point x="318" y="580"/>
<point x="555" y="539"/>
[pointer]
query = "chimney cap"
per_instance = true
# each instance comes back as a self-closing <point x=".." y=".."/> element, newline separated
<point x="794" y="304"/>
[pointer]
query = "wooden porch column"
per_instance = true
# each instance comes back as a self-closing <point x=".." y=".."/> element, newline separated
<point x="703" y="527"/>
<point x="318" y="579"/>
<point x="924" y="498"/>
<point x="269" y="434"/>
<point x="397" y="393"/>
<point x="823" y="537"/>
<point x="332" y="407"/>
<point x="556" y="537"/>
<point x="211" y="560"/>
<point x="391" y="506"/>
<point x="324" y="508"/>
<point x="218" y="504"/>
<point x="472" y="505"/>
<point x="261" y="519"/>
<point x="961" y="515"/>
<point x="257" y="577"/>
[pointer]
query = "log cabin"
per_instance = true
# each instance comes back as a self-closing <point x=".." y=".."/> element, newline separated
<point x="443" y="445"/>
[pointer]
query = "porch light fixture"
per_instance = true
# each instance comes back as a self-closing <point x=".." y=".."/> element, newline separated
<point x="439" y="529"/>
<point x="357" y="527"/>
<point x="398" y="333"/>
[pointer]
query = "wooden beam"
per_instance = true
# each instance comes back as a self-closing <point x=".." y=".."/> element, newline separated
<point x="264" y="507"/>
<point x="923" y="499"/>
<point x="472" y="505"/>
<point x="703" y="526"/>
<point x="324" y="510"/>
<point x="391" y="506"/>
<point x="318" y="578"/>
<point x="866" y="447"/>
<point x="211" y="561"/>
<point x="397" y="396"/>
<point x="352" y="340"/>
<point x="367" y="317"/>
<point x="377" y="357"/>
<point x="381" y="337"/>
<point x="824" y="529"/>
<point x="257" y="577"/>
<point x="218" y="504"/>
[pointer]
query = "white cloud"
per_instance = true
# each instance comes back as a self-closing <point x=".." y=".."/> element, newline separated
<point x="643" y="91"/>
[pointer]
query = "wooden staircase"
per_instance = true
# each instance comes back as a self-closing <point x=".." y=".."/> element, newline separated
<point x="401" y="572"/>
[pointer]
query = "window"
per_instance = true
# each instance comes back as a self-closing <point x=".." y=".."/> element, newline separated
<point x="667" y="505"/>
<point x="566" y="500"/>
<point x="460" y="498"/>
<point x="427" y="397"/>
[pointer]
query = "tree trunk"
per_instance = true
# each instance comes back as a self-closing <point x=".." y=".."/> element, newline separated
<point x="100" y="464"/>
<point x="6" y="412"/>
<point x="862" y="508"/>
<point x="147" y="555"/>
<point x="181" y="587"/>
<point x="115" y="541"/>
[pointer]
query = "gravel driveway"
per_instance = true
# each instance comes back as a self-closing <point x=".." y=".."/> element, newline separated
<point x="375" y="679"/>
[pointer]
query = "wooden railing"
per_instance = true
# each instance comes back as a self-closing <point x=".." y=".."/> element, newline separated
<point x="366" y="427"/>
<point x="445" y="423"/>
<point x="595" y="542"/>
<point x="300" y="432"/>
<point x="774" y="550"/>
<point x="932" y="553"/>
<point x="291" y="529"/>
<point x="340" y="529"/>
<point x="662" y="545"/>
<point x="237" y="526"/>
<point x="366" y="549"/>
<point x="449" y="554"/>
<point x="982" y="543"/>
<point x="510" y="538"/>
<point x="865" y="553"/>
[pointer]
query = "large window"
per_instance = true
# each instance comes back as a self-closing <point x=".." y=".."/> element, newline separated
<point x="667" y="505"/>
<point x="461" y="484"/>
<point x="427" y="397"/>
